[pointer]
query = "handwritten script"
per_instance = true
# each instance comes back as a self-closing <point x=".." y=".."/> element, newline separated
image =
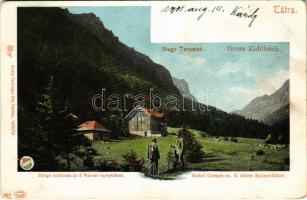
<point x="239" y="12"/>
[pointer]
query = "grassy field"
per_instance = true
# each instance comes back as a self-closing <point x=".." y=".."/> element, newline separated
<point x="219" y="155"/>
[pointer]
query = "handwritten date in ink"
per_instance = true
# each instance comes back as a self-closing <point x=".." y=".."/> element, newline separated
<point x="201" y="10"/>
<point x="238" y="11"/>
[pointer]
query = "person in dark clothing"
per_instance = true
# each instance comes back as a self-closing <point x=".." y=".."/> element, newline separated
<point x="153" y="155"/>
<point x="180" y="147"/>
<point x="173" y="158"/>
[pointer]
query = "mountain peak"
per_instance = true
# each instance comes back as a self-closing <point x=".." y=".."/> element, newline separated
<point x="183" y="88"/>
<point x="262" y="108"/>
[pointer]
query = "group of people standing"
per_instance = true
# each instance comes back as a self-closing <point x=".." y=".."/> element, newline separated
<point x="175" y="155"/>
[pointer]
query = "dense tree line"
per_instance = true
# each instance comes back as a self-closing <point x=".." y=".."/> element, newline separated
<point x="219" y="124"/>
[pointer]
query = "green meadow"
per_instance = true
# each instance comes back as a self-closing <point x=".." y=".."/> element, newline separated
<point x="220" y="155"/>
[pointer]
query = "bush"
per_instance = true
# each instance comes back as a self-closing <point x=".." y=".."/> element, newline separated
<point x="87" y="154"/>
<point x="132" y="163"/>
<point x="111" y="165"/>
<point x="194" y="151"/>
<point x="61" y="162"/>
<point x="260" y="150"/>
<point x="269" y="139"/>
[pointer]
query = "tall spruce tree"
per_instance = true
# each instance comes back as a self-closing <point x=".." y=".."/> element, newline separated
<point x="54" y="134"/>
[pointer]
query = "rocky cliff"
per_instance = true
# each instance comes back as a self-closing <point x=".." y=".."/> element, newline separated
<point x="269" y="108"/>
<point x="184" y="88"/>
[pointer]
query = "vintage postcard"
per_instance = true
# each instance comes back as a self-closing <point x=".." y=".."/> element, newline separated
<point x="197" y="99"/>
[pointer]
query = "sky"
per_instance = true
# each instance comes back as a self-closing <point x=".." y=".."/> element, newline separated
<point x="216" y="76"/>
